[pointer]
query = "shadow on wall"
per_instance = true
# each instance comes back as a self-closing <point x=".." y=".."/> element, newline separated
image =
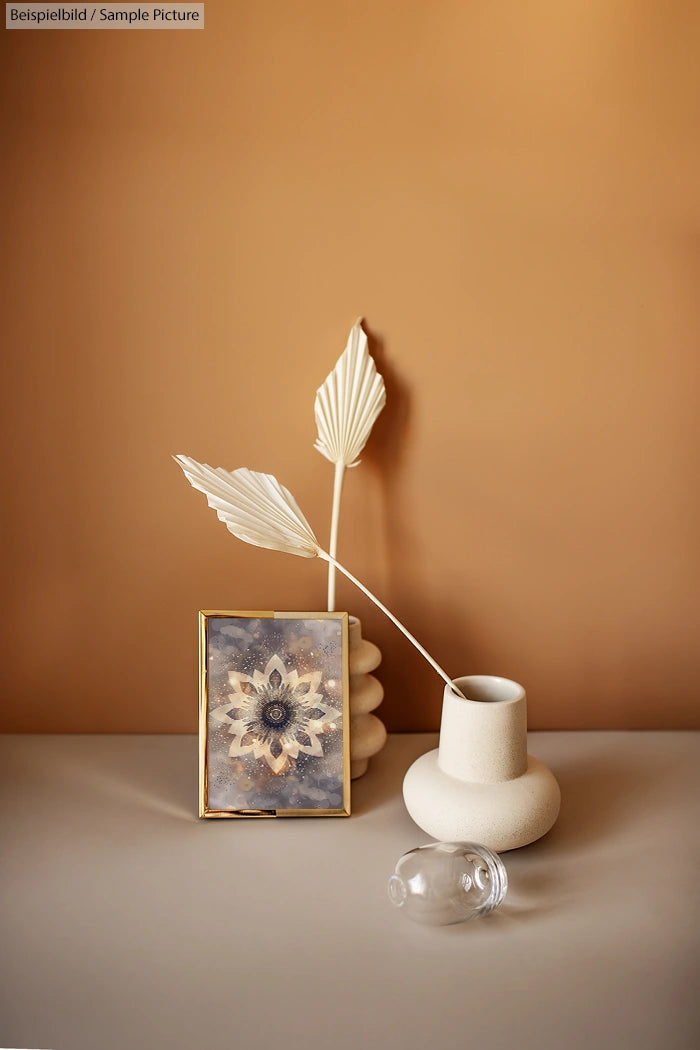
<point x="415" y="700"/>
<point x="385" y="454"/>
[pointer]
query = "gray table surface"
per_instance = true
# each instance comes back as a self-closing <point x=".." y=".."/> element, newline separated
<point x="128" y="923"/>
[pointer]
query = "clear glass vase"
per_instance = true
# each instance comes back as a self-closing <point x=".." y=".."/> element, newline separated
<point x="448" y="882"/>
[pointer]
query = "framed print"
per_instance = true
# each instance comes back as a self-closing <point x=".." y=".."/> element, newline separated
<point x="273" y="714"/>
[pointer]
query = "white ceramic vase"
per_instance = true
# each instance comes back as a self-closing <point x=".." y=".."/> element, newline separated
<point x="480" y="785"/>
<point x="367" y="732"/>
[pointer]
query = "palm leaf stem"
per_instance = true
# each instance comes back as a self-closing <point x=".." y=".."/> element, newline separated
<point x="404" y="630"/>
<point x="338" y="479"/>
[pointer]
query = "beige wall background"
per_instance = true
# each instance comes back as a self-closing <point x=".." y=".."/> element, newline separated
<point x="192" y="221"/>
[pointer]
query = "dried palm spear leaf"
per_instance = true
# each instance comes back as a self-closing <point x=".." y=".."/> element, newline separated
<point x="254" y="507"/>
<point x="345" y="409"/>
<point x="258" y="510"/>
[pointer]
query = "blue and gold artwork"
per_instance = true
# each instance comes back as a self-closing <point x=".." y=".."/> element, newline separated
<point x="275" y="714"/>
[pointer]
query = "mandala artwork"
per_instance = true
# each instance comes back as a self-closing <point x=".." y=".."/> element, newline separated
<point x="275" y="714"/>
<point x="275" y="726"/>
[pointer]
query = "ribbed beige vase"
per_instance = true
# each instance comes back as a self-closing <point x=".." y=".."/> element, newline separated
<point x="367" y="732"/>
<point x="480" y="784"/>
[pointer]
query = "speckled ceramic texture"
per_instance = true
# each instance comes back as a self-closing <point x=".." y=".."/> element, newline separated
<point x="480" y="784"/>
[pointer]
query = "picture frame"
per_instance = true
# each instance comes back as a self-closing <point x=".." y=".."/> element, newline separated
<point x="273" y="714"/>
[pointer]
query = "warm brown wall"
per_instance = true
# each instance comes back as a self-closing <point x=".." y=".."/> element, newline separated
<point x="192" y="221"/>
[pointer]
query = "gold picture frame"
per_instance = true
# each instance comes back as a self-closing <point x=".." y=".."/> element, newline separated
<point x="274" y="726"/>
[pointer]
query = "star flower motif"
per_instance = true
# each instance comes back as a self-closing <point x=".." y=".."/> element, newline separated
<point x="276" y="714"/>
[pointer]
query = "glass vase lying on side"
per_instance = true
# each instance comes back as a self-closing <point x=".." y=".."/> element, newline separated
<point x="448" y="882"/>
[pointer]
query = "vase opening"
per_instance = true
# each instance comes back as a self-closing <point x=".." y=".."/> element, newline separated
<point x="398" y="891"/>
<point x="489" y="689"/>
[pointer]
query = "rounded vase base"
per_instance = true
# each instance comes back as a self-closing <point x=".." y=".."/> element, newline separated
<point x="358" y="768"/>
<point x="502" y="816"/>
